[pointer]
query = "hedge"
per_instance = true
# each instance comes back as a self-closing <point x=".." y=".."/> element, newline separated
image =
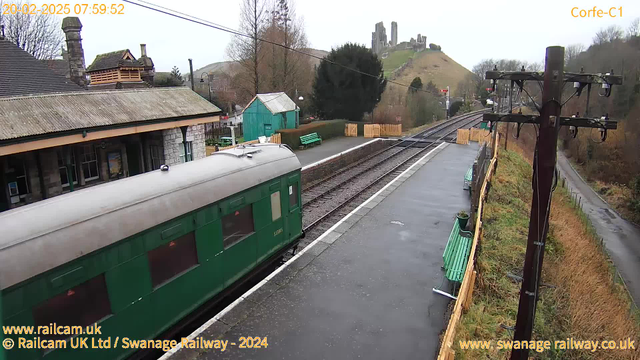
<point x="326" y="129"/>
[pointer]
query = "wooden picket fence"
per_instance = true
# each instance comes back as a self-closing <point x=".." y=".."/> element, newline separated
<point x="462" y="137"/>
<point x="378" y="130"/>
<point x="463" y="302"/>
<point x="371" y="130"/>
<point x="276" y="138"/>
<point x="390" y="129"/>
<point x="479" y="135"/>
<point x="351" y="130"/>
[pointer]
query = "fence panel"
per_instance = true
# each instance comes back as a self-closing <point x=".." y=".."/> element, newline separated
<point x="276" y="138"/>
<point x="390" y="129"/>
<point x="351" y="130"/>
<point x="372" y="130"/>
<point x="463" y="137"/>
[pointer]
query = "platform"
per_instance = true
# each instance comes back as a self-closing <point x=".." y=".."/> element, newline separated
<point x="363" y="289"/>
<point x="329" y="148"/>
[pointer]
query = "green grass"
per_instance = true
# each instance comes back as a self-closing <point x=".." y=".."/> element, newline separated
<point x="395" y="60"/>
<point x="495" y="299"/>
<point x="584" y="302"/>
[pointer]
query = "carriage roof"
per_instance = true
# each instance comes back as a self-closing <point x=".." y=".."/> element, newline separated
<point x="41" y="236"/>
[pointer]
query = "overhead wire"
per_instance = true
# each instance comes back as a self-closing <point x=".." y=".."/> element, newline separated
<point x="207" y="23"/>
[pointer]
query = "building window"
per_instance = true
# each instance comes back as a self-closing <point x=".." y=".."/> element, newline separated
<point x="236" y="226"/>
<point x="293" y="196"/>
<point x="276" y="211"/>
<point x="157" y="156"/>
<point x="82" y="305"/>
<point x="18" y="180"/>
<point x="172" y="258"/>
<point x="64" y="178"/>
<point x="189" y="156"/>
<point x="89" y="162"/>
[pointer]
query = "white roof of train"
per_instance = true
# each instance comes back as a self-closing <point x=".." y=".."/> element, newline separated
<point x="41" y="236"/>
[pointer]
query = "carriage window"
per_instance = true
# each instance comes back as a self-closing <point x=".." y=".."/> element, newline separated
<point x="82" y="305"/>
<point x="276" y="211"/>
<point x="293" y="195"/>
<point x="236" y="226"/>
<point x="172" y="258"/>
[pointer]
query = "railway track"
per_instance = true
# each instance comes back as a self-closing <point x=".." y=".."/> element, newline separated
<point x="369" y="175"/>
<point x="326" y="202"/>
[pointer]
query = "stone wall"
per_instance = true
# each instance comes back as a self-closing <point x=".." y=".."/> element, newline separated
<point x="323" y="170"/>
<point x="174" y="149"/>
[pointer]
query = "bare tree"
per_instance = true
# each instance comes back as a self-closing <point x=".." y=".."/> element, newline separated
<point x="610" y="34"/>
<point x="246" y="50"/>
<point x="634" y="28"/>
<point x="571" y="53"/>
<point x="39" y="35"/>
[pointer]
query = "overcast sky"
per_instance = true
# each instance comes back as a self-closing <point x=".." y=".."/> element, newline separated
<point x="468" y="31"/>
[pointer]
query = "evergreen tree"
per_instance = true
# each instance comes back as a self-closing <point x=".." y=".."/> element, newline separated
<point x="341" y="93"/>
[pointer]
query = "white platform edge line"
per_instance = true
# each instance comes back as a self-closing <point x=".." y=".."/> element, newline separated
<point x="257" y="286"/>
<point x="338" y="154"/>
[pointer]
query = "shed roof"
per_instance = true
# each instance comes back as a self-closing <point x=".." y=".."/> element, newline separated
<point x="24" y="116"/>
<point x="276" y="102"/>
<point x="113" y="60"/>
<point x="23" y="74"/>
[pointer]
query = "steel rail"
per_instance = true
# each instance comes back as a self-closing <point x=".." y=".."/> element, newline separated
<point x="431" y="131"/>
<point x="377" y="180"/>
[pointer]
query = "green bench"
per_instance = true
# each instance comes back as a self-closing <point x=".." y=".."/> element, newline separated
<point x="455" y="257"/>
<point x="468" y="177"/>
<point x="310" y="139"/>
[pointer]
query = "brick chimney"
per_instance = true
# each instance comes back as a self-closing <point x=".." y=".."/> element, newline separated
<point x="77" y="72"/>
<point x="148" y="72"/>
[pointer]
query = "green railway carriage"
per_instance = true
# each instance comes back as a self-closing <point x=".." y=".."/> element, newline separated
<point x="136" y="255"/>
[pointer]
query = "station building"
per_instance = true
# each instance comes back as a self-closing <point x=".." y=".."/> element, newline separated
<point x="58" y="134"/>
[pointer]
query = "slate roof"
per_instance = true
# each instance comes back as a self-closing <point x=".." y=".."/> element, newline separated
<point x="58" y="66"/>
<point x="25" y="116"/>
<point x="113" y="60"/>
<point x="22" y="74"/>
<point x="276" y="102"/>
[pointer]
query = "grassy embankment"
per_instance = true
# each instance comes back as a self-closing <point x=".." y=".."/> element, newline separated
<point x="583" y="300"/>
<point x="395" y="60"/>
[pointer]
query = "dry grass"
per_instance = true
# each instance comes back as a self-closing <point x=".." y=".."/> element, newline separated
<point x="586" y="303"/>
<point x="433" y="66"/>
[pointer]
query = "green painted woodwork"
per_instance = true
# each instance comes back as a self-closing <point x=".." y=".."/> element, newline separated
<point x="310" y="139"/>
<point x="140" y="311"/>
<point x="257" y="121"/>
<point x="1" y="333"/>
<point x="456" y="253"/>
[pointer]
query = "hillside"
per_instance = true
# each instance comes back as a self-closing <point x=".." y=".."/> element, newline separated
<point x="433" y="66"/>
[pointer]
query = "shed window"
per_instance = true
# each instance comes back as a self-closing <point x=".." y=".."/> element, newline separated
<point x="172" y="258"/>
<point x="276" y="211"/>
<point x="293" y="196"/>
<point x="237" y="225"/>
<point x="82" y="305"/>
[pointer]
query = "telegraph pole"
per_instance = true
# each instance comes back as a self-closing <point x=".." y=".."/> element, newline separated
<point x="544" y="163"/>
<point x="543" y="172"/>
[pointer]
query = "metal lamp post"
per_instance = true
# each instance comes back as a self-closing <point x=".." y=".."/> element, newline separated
<point x="208" y="82"/>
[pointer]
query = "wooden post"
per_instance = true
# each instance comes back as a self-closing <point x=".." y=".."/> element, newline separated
<point x="467" y="301"/>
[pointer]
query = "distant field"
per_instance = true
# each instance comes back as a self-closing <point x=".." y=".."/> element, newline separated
<point x="395" y="60"/>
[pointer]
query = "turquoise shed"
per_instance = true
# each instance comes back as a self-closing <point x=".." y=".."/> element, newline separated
<point x="267" y="113"/>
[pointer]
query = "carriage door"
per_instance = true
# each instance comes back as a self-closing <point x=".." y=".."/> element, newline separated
<point x="294" y="220"/>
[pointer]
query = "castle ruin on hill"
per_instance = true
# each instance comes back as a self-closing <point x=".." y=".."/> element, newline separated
<point x="379" y="43"/>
